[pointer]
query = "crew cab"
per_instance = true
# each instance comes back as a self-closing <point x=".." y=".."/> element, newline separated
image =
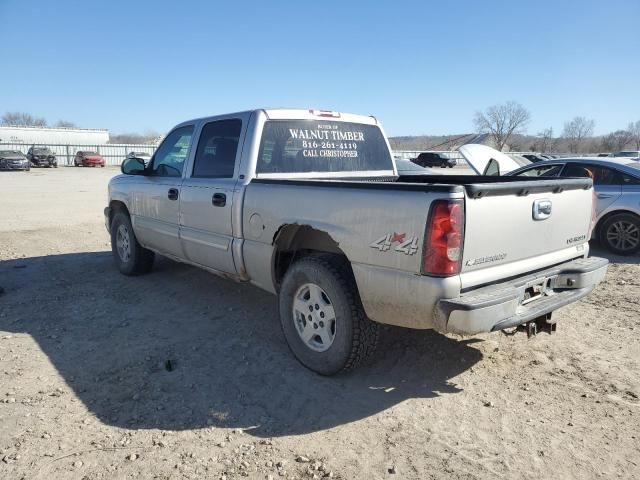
<point x="309" y="205"/>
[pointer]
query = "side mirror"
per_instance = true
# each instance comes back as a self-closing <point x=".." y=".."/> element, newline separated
<point x="133" y="166"/>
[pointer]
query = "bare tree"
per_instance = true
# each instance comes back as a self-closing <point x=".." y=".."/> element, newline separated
<point x="502" y="121"/>
<point x="634" y="129"/>
<point x="545" y="141"/>
<point x="576" y="131"/>
<point x="616" y="141"/>
<point x="22" y="119"/>
<point x="65" y="124"/>
<point x="149" y="137"/>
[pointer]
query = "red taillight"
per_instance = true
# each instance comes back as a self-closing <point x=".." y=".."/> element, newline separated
<point x="442" y="254"/>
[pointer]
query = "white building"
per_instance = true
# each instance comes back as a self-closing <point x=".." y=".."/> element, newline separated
<point x="53" y="136"/>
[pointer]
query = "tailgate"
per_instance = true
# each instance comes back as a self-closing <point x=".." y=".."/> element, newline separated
<point x="519" y="227"/>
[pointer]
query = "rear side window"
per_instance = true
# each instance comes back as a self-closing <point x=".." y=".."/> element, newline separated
<point x="629" y="180"/>
<point x="217" y="148"/>
<point x="542" y="171"/>
<point x="305" y="146"/>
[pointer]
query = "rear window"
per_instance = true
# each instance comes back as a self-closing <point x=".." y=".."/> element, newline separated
<point x="305" y="146"/>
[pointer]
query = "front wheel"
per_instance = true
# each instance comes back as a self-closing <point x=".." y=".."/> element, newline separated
<point x="322" y="317"/>
<point x="130" y="257"/>
<point x="620" y="234"/>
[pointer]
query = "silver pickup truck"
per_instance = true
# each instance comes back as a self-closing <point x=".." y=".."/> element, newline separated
<point x="308" y="205"/>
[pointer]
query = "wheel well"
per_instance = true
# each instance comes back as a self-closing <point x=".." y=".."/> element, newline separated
<point x="610" y="214"/>
<point x="293" y="242"/>
<point x="116" y="206"/>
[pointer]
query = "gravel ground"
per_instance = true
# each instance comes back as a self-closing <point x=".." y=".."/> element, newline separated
<point x="180" y="374"/>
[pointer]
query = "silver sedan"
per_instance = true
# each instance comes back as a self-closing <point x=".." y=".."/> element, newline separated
<point x="617" y="186"/>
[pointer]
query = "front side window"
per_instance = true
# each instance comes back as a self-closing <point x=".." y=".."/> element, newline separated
<point x="172" y="153"/>
<point x="601" y="175"/>
<point x="217" y="148"/>
<point x="576" y="170"/>
<point x="316" y="146"/>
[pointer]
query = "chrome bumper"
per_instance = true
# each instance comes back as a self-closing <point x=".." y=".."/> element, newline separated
<point x="521" y="299"/>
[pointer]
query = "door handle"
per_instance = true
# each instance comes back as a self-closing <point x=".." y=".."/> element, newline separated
<point x="604" y="195"/>
<point x="173" y="194"/>
<point x="219" y="200"/>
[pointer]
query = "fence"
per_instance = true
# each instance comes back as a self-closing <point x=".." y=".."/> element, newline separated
<point x="113" y="154"/>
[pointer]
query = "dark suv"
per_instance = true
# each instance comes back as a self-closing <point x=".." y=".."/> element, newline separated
<point x="432" y="159"/>
<point x="42" y="157"/>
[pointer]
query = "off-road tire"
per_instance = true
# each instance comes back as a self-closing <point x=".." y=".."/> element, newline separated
<point x="356" y="336"/>
<point x="621" y="219"/>
<point x="140" y="260"/>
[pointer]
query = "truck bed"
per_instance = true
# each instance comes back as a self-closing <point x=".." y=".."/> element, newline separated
<point x="475" y="186"/>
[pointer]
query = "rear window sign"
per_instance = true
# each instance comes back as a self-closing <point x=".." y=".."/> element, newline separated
<point x="301" y="146"/>
<point x="328" y="141"/>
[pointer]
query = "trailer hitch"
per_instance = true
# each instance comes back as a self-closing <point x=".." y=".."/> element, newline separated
<point x="539" y="324"/>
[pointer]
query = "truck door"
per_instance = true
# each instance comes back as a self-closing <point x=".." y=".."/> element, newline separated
<point x="157" y="197"/>
<point x="206" y="227"/>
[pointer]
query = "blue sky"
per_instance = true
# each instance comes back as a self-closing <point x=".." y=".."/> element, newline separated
<point x="421" y="67"/>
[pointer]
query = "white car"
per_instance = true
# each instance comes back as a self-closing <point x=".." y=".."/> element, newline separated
<point x="144" y="156"/>
<point x="635" y="155"/>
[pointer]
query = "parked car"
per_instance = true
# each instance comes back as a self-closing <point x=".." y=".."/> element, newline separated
<point x="42" y="157"/>
<point x="433" y="159"/>
<point x="617" y="187"/>
<point x="628" y="154"/>
<point x="141" y="155"/>
<point x="87" y="158"/>
<point x="406" y="167"/>
<point x="13" y="160"/>
<point x="533" y="157"/>
<point x="600" y="155"/>
<point x="308" y="205"/>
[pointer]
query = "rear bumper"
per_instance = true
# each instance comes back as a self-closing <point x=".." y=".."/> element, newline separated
<point x="504" y="305"/>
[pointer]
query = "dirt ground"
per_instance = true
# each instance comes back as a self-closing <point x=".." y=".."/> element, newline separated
<point x="180" y="374"/>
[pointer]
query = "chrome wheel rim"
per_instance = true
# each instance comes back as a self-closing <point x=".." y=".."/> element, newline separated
<point x="623" y="235"/>
<point x="314" y="317"/>
<point x="123" y="244"/>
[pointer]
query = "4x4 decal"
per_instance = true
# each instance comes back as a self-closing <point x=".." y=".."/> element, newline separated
<point x="405" y="245"/>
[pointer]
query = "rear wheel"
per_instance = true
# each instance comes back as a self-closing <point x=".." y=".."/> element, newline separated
<point x="130" y="257"/>
<point x="322" y="317"/>
<point x="620" y="233"/>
